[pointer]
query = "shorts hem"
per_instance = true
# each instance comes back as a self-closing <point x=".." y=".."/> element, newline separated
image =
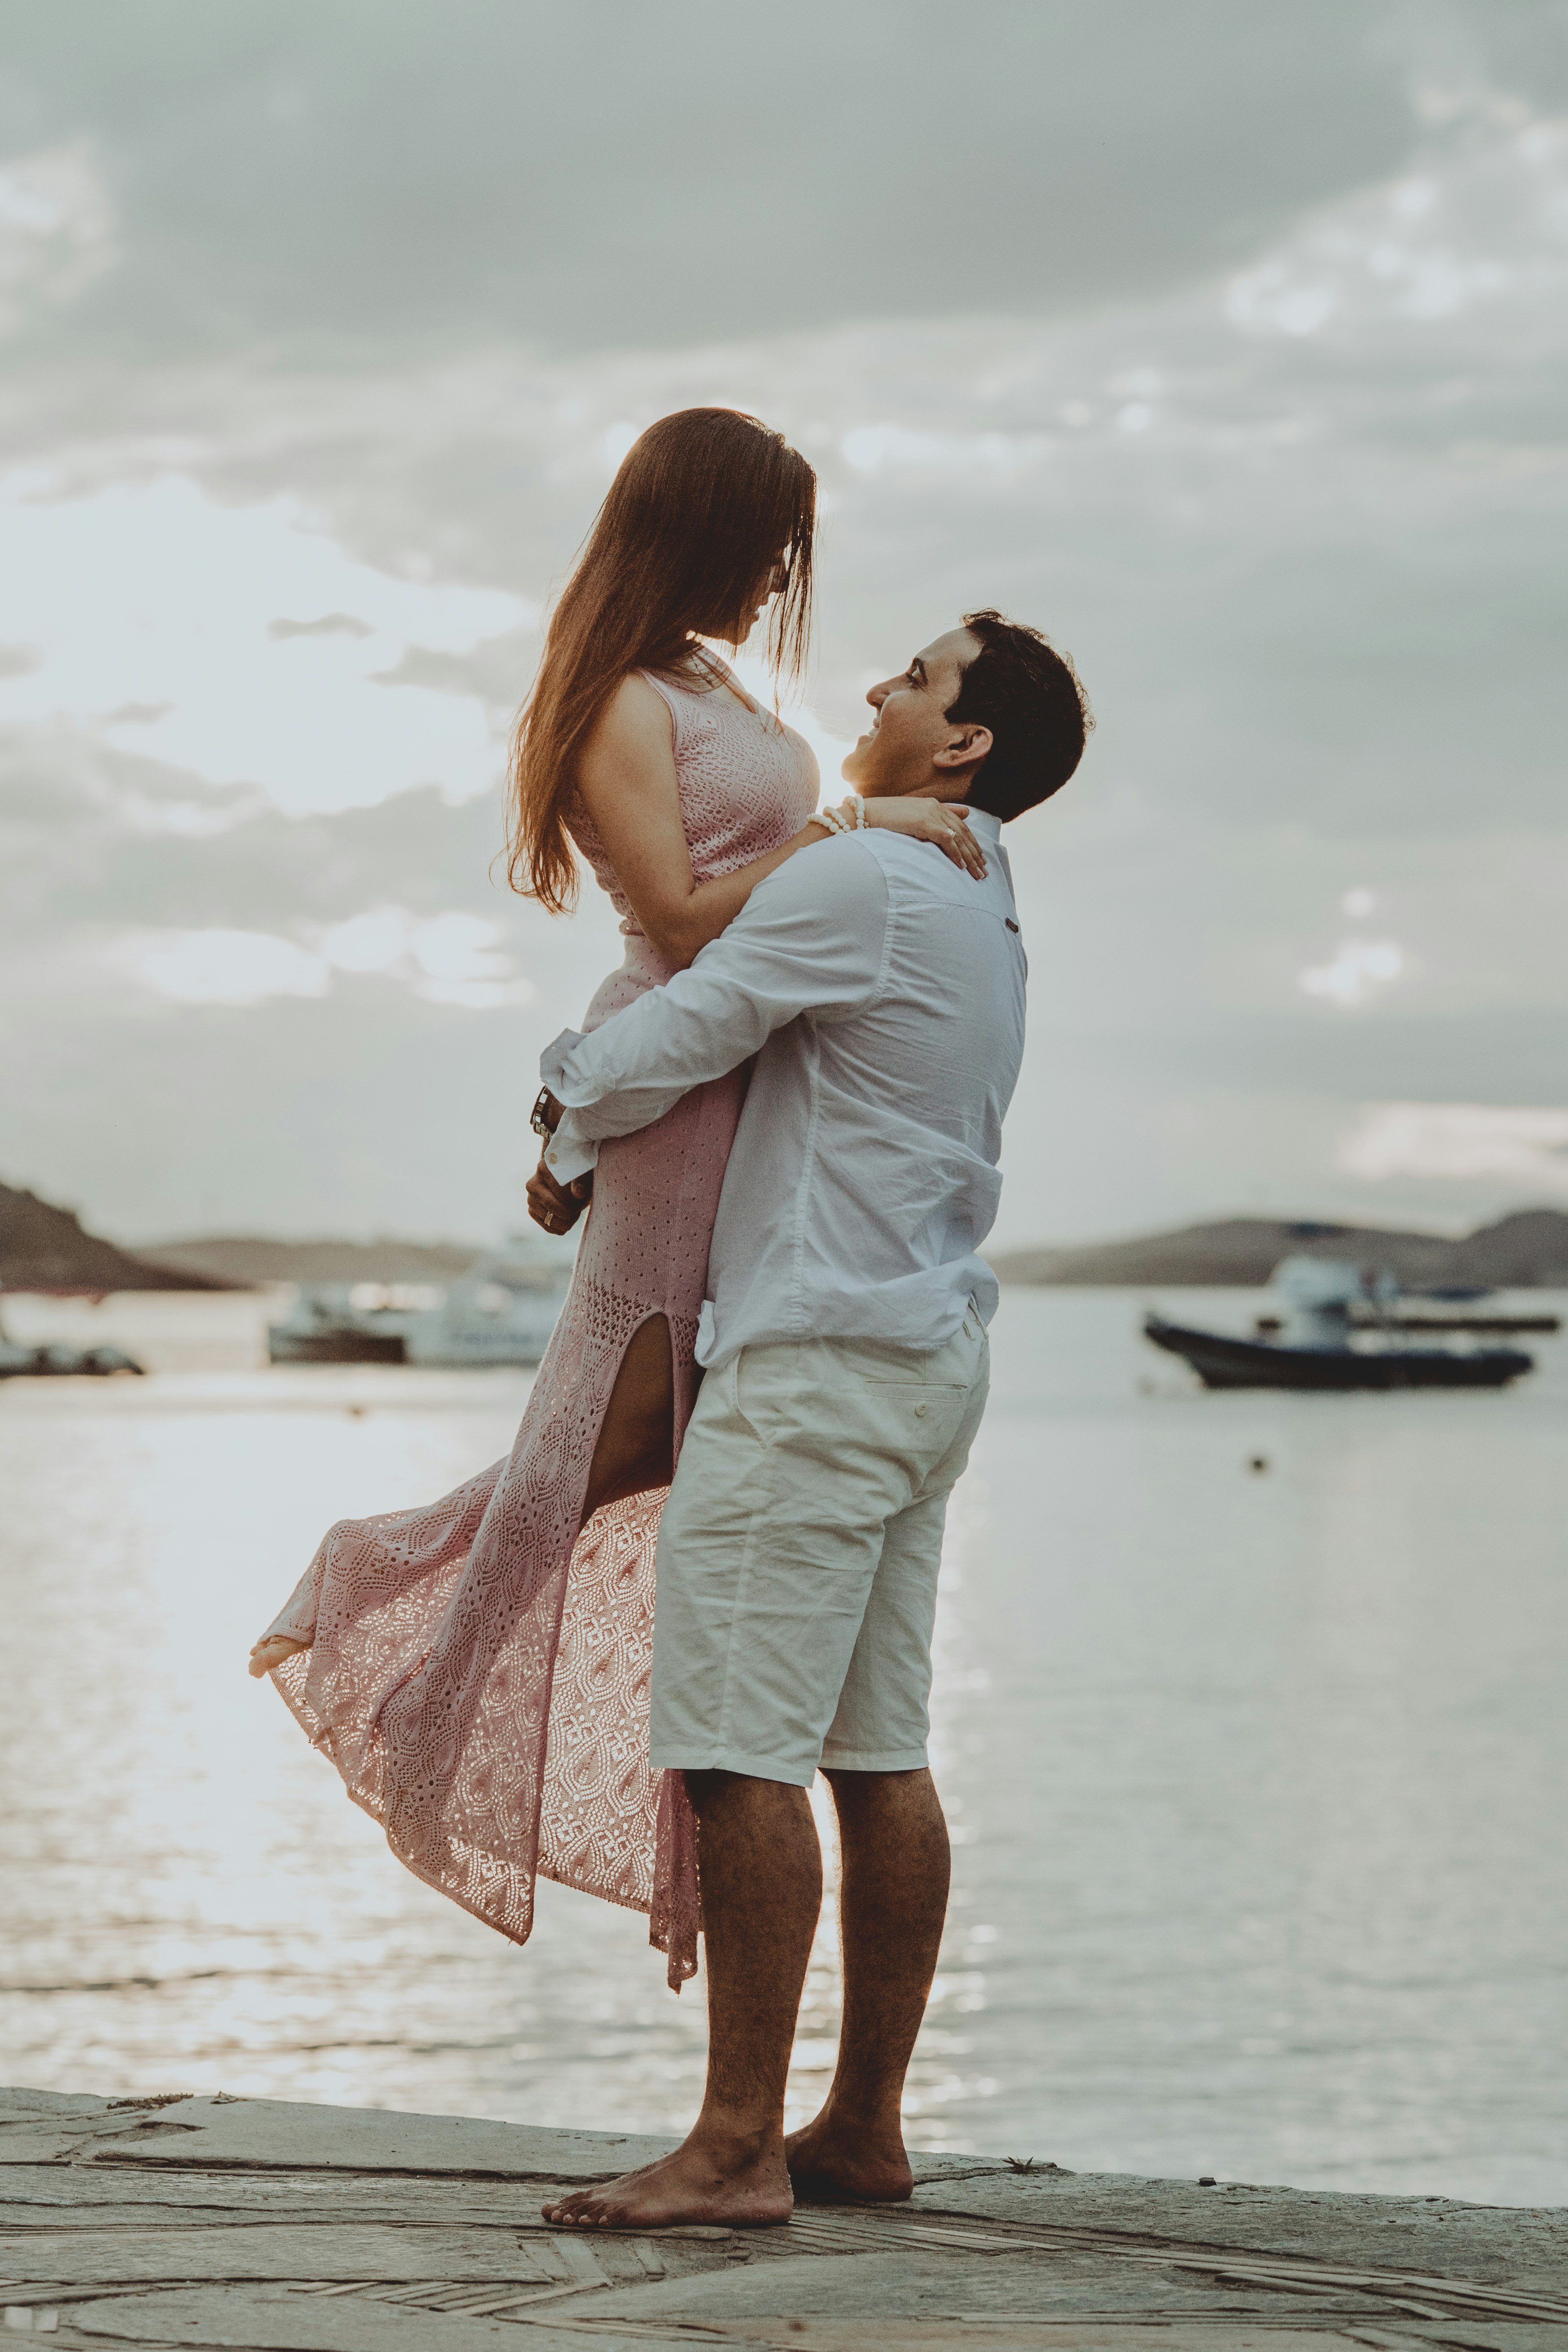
<point x="887" y="1760"/>
<point x="678" y="1758"/>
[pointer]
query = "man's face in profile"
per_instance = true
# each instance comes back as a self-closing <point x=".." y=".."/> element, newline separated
<point x="898" y="752"/>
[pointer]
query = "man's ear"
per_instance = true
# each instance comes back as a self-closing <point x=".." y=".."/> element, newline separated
<point x="968" y="748"/>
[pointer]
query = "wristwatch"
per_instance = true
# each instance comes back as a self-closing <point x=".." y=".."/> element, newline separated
<point x="539" y="1118"/>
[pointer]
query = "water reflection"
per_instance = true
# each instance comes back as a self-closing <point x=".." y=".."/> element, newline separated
<point x="1253" y="1780"/>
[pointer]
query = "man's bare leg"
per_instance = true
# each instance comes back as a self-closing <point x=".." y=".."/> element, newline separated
<point x="761" y="1869"/>
<point x="893" y="1841"/>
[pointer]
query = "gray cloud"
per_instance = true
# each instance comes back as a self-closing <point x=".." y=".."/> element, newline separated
<point x="382" y="173"/>
<point x="1283" y="467"/>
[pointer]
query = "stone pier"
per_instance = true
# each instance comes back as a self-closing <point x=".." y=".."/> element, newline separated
<point x="258" y="2223"/>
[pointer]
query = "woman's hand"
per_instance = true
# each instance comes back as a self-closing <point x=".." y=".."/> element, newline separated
<point x="557" y="1207"/>
<point x="941" y="822"/>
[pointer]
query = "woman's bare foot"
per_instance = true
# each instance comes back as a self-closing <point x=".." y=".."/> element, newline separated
<point x="833" y="2164"/>
<point x="701" y="2181"/>
<point x="272" y="1652"/>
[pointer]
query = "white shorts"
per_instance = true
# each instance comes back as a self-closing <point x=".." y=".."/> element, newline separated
<point x="798" y="1556"/>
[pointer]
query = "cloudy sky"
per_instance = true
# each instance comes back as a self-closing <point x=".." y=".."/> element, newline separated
<point x="1225" y="338"/>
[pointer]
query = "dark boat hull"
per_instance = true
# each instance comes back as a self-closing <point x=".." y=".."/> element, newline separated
<point x="1221" y="1362"/>
<point x="63" y="1363"/>
<point x="1482" y="1323"/>
<point x="343" y="1347"/>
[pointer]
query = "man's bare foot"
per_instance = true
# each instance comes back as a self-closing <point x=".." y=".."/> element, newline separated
<point x="833" y="2164"/>
<point x="702" y="2180"/>
<point x="272" y="1652"/>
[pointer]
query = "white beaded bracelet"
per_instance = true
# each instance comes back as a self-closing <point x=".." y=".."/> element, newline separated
<point x="834" y="819"/>
<point x="855" y="803"/>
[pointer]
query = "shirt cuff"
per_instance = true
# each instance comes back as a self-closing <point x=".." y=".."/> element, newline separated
<point x="569" y="1154"/>
<point x="552" y="1071"/>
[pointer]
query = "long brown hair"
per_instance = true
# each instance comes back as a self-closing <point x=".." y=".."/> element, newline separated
<point x="705" y="502"/>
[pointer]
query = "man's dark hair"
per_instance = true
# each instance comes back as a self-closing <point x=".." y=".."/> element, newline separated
<point x="1039" y="714"/>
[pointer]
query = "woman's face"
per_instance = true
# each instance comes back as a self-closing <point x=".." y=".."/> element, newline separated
<point x="770" y="586"/>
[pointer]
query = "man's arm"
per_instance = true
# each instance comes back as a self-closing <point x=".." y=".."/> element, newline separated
<point x="810" y="938"/>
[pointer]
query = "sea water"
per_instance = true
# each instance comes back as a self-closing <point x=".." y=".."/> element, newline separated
<point x="1251" y="1715"/>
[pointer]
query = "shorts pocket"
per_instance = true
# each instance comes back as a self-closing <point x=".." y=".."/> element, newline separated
<point x="763" y="1385"/>
<point x="732" y="1391"/>
<point x="913" y="1423"/>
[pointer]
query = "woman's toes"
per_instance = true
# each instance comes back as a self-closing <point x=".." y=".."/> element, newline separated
<point x="272" y="1652"/>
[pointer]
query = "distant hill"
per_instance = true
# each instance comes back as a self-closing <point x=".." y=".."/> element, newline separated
<point x="1526" y="1250"/>
<point x="45" y="1248"/>
<point x="252" y="1258"/>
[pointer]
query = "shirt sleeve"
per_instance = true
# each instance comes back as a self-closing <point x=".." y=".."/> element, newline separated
<point x="810" y="939"/>
<point x="569" y="1152"/>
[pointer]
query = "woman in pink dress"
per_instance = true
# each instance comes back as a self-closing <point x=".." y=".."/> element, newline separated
<point x="478" y="1670"/>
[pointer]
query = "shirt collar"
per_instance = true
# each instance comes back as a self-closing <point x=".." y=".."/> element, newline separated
<point x="985" y="827"/>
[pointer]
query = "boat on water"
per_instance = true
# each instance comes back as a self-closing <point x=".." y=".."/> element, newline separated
<point x="502" y="1311"/>
<point x="1224" y="1362"/>
<point x="329" y="1325"/>
<point x="54" y="1361"/>
<point x="1335" y="1328"/>
<point x="51" y="1360"/>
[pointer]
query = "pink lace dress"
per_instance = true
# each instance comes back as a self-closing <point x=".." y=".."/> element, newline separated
<point x="478" y="1670"/>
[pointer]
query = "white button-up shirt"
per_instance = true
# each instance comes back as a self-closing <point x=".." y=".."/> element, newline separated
<point x="881" y="989"/>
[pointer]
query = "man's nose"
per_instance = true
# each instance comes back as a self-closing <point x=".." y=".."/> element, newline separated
<point x="878" y="695"/>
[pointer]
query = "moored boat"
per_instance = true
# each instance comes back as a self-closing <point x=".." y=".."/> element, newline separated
<point x="324" y="1327"/>
<point x="1334" y="1328"/>
<point x="1222" y="1362"/>
<point x="501" y="1312"/>
<point x="54" y="1359"/>
<point x="56" y="1362"/>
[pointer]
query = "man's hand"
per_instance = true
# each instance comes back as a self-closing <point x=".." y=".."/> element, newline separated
<point x="557" y="1207"/>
